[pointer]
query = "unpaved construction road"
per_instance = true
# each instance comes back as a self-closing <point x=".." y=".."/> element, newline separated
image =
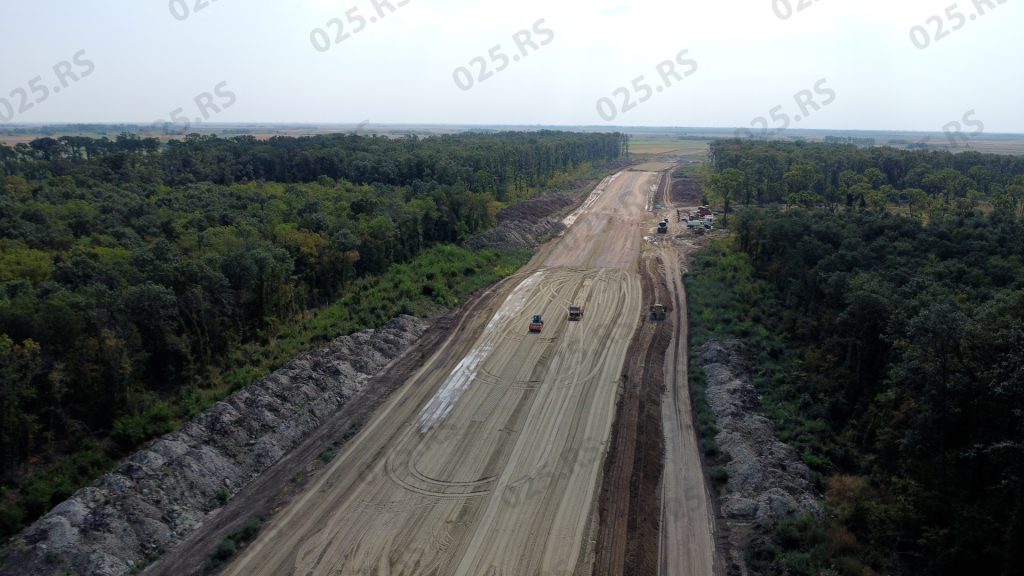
<point x="498" y="455"/>
<point x="687" y="542"/>
<point x="488" y="462"/>
<point x="656" y="511"/>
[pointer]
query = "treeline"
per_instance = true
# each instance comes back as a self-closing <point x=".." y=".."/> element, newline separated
<point x="889" y="350"/>
<point x="503" y="164"/>
<point x="133" y="273"/>
<point x="834" y="176"/>
<point x="850" y="140"/>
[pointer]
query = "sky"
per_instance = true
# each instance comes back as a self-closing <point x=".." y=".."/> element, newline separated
<point x="819" y="64"/>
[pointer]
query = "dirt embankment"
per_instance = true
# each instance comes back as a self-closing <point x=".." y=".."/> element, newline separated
<point x="162" y="493"/>
<point x="526" y="224"/>
<point x="686" y="192"/>
<point x="767" y="481"/>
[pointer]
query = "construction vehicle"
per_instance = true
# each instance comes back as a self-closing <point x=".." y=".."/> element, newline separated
<point x="657" y="312"/>
<point x="536" y="325"/>
<point x="575" y="313"/>
<point x="663" y="226"/>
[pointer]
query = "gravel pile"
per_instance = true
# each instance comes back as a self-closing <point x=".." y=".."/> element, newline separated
<point x="767" y="480"/>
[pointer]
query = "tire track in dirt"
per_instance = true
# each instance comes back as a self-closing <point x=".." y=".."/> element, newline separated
<point x="627" y="535"/>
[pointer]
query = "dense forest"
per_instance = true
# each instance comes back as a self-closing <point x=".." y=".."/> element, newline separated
<point x="140" y="280"/>
<point x="887" y="346"/>
<point x="831" y="176"/>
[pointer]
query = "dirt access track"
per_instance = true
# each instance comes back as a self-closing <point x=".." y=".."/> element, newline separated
<point x="488" y="461"/>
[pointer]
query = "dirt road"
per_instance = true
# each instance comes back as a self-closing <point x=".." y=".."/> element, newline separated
<point x="656" y="513"/>
<point x="687" y="542"/>
<point x="487" y="463"/>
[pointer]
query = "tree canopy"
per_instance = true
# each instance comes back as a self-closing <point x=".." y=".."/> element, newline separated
<point x="833" y="176"/>
<point x="888" y="348"/>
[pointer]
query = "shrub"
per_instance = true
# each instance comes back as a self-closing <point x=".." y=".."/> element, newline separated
<point x="11" y="515"/>
<point x="232" y="542"/>
<point x="224" y="551"/>
<point x="134" y="429"/>
<point x="719" y="475"/>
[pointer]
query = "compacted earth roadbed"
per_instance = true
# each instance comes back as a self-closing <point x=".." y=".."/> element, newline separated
<point x="487" y="462"/>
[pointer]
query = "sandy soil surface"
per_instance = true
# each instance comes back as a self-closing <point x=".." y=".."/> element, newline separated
<point x="654" y="166"/>
<point x="687" y="537"/>
<point x="487" y="462"/>
<point x="656" y="516"/>
<point x="687" y="532"/>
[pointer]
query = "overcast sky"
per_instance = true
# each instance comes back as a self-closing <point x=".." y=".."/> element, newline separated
<point x="280" y="61"/>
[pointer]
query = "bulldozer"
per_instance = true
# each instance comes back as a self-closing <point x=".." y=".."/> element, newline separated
<point x="537" y="324"/>
<point x="657" y="311"/>
<point x="575" y="313"/>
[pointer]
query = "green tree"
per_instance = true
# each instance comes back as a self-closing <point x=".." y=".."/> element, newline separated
<point x="19" y="365"/>
<point x="802" y="179"/>
<point x="728" y="184"/>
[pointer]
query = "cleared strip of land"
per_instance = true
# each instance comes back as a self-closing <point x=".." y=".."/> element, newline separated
<point x="487" y="463"/>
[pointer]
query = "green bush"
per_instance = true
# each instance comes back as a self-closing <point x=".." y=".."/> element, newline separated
<point x="45" y="490"/>
<point x="719" y="475"/>
<point x="11" y="515"/>
<point x="798" y="548"/>
<point x="233" y="542"/>
<point x="710" y="447"/>
<point x="224" y="551"/>
<point x="132" y="430"/>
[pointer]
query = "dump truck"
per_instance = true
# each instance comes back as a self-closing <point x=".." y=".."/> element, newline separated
<point x="657" y="311"/>
<point x="575" y="313"/>
<point x="537" y="324"/>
